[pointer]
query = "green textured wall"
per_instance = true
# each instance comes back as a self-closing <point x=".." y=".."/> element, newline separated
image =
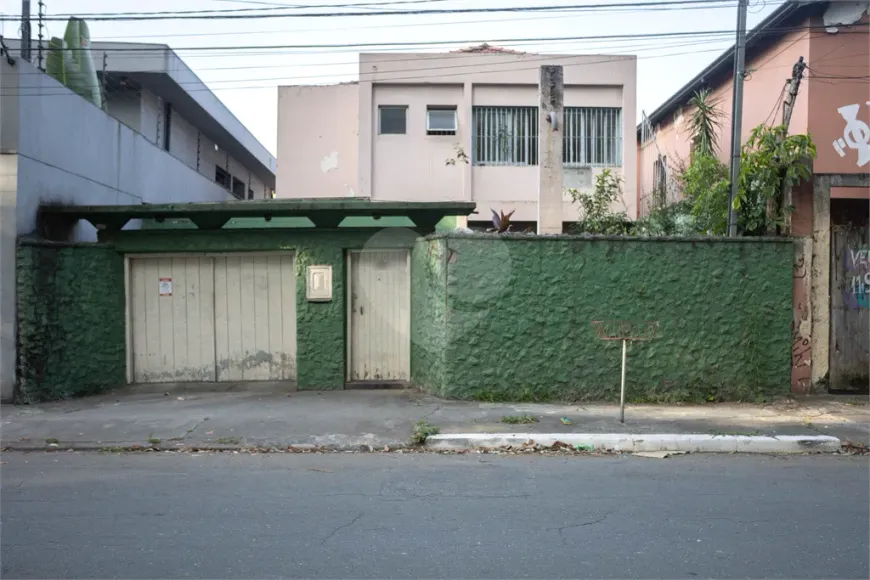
<point x="519" y="314"/>
<point x="70" y="320"/>
<point x="320" y="326"/>
<point x="428" y="313"/>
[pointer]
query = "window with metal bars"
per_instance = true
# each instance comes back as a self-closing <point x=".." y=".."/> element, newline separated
<point x="592" y="137"/>
<point x="505" y="135"/>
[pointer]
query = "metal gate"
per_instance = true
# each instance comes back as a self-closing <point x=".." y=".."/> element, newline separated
<point x="850" y="309"/>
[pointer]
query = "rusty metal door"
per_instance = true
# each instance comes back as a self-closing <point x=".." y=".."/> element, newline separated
<point x="850" y="309"/>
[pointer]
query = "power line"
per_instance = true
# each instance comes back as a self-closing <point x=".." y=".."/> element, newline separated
<point x="381" y="26"/>
<point x="277" y="7"/>
<point x="208" y="15"/>
<point x="430" y="57"/>
<point x="436" y="43"/>
<point x="547" y="58"/>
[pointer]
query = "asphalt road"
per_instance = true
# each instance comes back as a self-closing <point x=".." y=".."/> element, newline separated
<point x="68" y="515"/>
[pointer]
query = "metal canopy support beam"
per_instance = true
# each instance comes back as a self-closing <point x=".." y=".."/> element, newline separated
<point x="108" y="223"/>
<point x="322" y="213"/>
<point x="209" y="222"/>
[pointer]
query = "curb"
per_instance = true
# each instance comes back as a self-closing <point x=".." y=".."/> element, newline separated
<point x="124" y="447"/>
<point x="643" y="443"/>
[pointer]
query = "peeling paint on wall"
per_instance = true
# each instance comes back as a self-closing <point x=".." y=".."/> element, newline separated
<point x="329" y="163"/>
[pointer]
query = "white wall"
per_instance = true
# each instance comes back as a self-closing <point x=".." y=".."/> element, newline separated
<point x="182" y="140"/>
<point x="125" y="106"/>
<point x="152" y="116"/>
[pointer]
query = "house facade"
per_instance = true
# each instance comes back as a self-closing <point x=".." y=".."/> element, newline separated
<point x="460" y="126"/>
<point x="163" y="138"/>
<point x="830" y="218"/>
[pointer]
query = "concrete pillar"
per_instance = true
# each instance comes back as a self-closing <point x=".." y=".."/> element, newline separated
<point x="9" y="83"/>
<point x="552" y="92"/>
<point x="820" y="300"/>
<point x="367" y="119"/>
<point x="466" y="120"/>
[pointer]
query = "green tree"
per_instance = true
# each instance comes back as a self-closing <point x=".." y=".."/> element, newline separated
<point x="770" y="161"/>
<point x="595" y="207"/>
<point x="705" y="123"/>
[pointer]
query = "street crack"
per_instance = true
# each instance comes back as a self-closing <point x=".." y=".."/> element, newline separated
<point x="562" y="529"/>
<point x="341" y="527"/>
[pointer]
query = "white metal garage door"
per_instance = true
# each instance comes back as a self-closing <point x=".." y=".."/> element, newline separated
<point x="212" y="318"/>
<point x="380" y="316"/>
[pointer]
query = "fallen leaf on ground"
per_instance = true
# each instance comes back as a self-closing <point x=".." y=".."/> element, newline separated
<point x="658" y="454"/>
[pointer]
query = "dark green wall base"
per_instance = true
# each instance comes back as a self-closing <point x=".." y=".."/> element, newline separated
<point x="70" y="321"/>
<point x="516" y="320"/>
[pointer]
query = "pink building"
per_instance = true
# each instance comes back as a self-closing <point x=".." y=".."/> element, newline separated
<point x="832" y="271"/>
<point x="456" y="126"/>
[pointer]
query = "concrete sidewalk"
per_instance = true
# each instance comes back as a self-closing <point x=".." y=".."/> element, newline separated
<point x="196" y="417"/>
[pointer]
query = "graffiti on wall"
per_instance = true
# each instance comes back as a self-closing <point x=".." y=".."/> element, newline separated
<point x="801" y="346"/>
<point x="856" y="291"/>
<point x="856" y="134"/>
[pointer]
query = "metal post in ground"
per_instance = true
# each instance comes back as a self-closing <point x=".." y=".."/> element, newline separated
<point x="626" y="331"/>
<point x="622" y="385"/>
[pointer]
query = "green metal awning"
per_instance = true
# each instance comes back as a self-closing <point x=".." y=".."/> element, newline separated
<point x="323" y="213"/>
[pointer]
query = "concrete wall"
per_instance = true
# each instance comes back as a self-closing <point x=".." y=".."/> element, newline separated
<point x="518" y="313"/>
<point x="126" y="106"/>
<point x="839" y="55"/>
<point x="317" y="141"/>
<point x="724" y="310"/>
<point x="324" y="133"/>
<point x="71" y="320"/>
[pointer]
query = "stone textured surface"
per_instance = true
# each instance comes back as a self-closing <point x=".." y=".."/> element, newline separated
<point x="520" y="311"/>
<point x="70" y="321"/>
<point x="428" y="311"/>
<point x="320" y="326"/>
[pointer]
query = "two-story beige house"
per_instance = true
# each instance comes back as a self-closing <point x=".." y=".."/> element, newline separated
<point x="457" y="126"/>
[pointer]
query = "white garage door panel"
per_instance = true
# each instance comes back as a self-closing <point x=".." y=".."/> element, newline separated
<point x="255" y="318"/>
<point x="173" y="336"/>
<point x="229" y="318"/>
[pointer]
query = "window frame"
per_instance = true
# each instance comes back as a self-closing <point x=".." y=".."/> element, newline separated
<point x="381" y="108"/>
<point x="442" y="109"/>
<point x="523" y="146"/>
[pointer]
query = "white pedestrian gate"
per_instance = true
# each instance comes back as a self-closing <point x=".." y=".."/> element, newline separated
<point x="379" y="316"/>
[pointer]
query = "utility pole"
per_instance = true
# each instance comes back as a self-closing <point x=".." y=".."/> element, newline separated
<point x="797" y="73"/>
<point x="25" y="29"/>
<point x="550" y="172"/>
<point x="40" y="15"/>
<point x="737" y="113"/>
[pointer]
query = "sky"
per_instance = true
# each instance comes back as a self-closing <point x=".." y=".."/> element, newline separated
<point x="247" y="80"/>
